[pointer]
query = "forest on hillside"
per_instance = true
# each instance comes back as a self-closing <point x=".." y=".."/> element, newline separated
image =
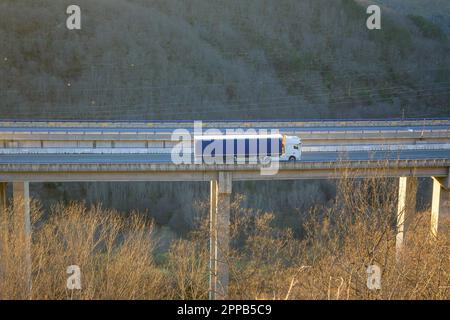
<point x="436" y="11"/>
<point x="176" y="59"/>
<point x="215" y="59"/>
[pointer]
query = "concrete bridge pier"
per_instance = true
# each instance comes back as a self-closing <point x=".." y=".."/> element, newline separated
<point x="22" y="225"/>
<point x="3" y="219"/>
<point x="3" y="186"/>
<point x="212" y="239"/>
<point x="3" y="206"/>
<point x="220" y="202"/>
<point x="406" y="211"/>
<point x="440" y="206"/>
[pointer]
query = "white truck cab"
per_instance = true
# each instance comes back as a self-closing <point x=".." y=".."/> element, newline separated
<point x="292" y="148"/>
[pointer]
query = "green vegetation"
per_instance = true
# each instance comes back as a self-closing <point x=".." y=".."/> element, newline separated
<point x="353" y="9"/>
<point x="428" y="29"/>
<point x="435" y="11"/>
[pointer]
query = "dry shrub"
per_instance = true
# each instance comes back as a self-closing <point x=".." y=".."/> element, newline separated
<point x="116" y="253"/>
<point x="341" y="241"/>
<point x="187" y="269"/>
<point x="257" y="267"/>
<point x="15" y="258"/>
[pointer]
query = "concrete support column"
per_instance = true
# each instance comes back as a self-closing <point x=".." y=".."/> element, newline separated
<point x="3" y="223"/>
<point x="22" y="225"/>
<point x="220" y="235"/>
<point x="407" y="193"/>
<point x="3" y="196"/>
<point x="212" y="239"/>
<point x="440" y="206"/>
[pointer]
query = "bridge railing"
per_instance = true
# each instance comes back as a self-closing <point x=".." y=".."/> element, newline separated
<point x="60" y="138"/>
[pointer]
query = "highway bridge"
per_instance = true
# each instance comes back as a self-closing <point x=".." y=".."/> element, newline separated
<point x="34" y="151"/>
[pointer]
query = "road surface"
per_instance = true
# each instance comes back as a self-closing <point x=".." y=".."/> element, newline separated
<point x="165" y="158"/>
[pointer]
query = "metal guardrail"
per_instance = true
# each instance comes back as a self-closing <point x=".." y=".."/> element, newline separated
<point x="161" y="167"/>
<point x="167" y="150"/>
<point x="123" y="140"/>
<point x="227" y="123"/>
<point x="160" y="136"/>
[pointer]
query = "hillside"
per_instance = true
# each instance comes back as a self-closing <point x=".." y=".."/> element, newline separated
<point x="211" y="59"/>
<point x="218" y="60"/>
<point x="436" y="11"/>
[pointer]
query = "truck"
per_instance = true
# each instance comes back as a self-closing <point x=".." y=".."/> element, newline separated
<point x="262" y="147"/>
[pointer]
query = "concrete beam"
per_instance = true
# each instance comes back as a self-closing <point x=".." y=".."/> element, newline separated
<point x="440" y="206"/>
<point x="407" y="193"/>
<point x="220" y="235"/>
<point x="444" y="180"/>
<point x="22" y="221"/>
<point x="168" y="172"/>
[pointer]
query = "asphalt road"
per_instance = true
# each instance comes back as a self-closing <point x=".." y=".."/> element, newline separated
<point x="165" y="158"/>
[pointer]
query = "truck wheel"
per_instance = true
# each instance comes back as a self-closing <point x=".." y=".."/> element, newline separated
<point x="292" y="158"/>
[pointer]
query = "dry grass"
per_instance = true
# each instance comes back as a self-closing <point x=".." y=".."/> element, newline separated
<point x="116" y="253"/>
<point x="342" y="240"/>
